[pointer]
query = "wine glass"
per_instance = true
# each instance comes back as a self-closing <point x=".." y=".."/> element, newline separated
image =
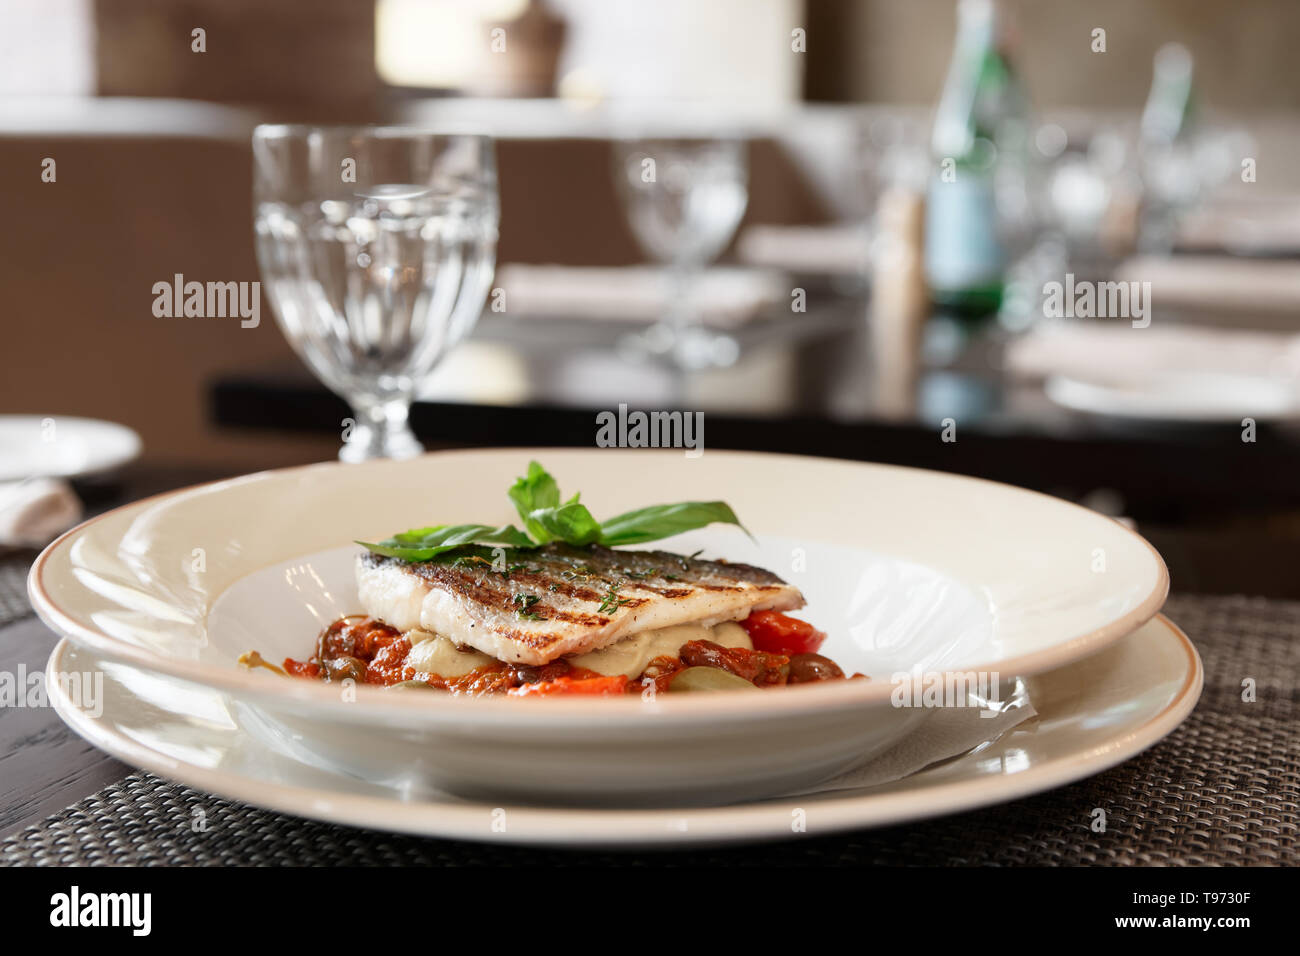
<point x="684" y="199"/>
<point x="377" y="246"/>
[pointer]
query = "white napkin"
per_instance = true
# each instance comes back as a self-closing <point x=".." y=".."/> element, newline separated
<point x="1219" y="283"/>
<point x="1091" y="349"/>
<point x="948" y="732"/>
<point x="34" y="512"/>
<point x="1268" y="224"/>
<point x="835" y="249"/>
<point x="722" y="296"/>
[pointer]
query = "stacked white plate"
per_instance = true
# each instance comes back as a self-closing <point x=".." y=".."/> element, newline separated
<point x="906" y="570"/>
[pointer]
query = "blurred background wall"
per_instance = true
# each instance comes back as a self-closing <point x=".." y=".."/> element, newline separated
<point x="898" y="50"/>
<point x="323" y="51"/>
<point x="301" y="52"/>
<point x="151" y="138"/>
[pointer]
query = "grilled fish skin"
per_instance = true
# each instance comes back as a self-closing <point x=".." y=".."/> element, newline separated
<point x="560" y="599"/>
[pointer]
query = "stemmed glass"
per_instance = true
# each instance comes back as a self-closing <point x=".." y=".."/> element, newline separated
<point x="377" y="246"/>
<point x="684" y="199"/>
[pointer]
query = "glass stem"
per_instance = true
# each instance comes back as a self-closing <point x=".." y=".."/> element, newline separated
<point x="681" y="280"/>
<point x="381" y="430"/>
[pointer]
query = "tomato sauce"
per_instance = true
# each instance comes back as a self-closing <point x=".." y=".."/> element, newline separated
<point x="369" y="651"/>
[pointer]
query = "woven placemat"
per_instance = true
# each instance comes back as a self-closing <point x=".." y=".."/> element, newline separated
<point x="13" y="587"/>
<point x="1222" y="789"/>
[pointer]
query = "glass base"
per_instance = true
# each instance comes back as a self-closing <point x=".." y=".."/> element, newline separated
<point x="691" y="348"/>
<point x="380" y="431"/>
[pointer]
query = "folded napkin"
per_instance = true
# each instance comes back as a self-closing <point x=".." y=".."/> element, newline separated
<point x="837" y="249"/>
<point x="947" y="732"/>
<point x="1268" y="225"/>
<point x="1091" y="350"/>
<point x="1216" y="282"/>
<point x="34" y="512"/>
<point x="724" y="297"/>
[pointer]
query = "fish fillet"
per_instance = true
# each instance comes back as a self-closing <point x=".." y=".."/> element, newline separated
<point x="559" y="600"/>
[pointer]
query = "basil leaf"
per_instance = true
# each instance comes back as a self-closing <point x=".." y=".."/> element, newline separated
<point x="664" y="521"/>
<point x="571" y="523"/>
<point x="536" y="497"/>
<point x="422" y="544"/>
<point x="536" y="490"/>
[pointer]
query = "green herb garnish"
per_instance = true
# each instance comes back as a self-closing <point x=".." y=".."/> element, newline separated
<point x="547" y="517"/>
<point x="524" y="606"/>
<point x="422" y="544"/>
<point x="612" y="601"/>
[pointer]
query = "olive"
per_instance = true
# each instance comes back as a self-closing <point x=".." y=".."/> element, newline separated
<point x="341" y="668"/>
<point x="807" y="668"/>
<point x="708" y="678"/>
<point x="758" y="668"/>
<point x="703" y="654"/>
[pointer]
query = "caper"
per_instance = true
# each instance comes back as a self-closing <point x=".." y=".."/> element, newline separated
<point x="708" y="678"/>
<point x="341" y="668"/>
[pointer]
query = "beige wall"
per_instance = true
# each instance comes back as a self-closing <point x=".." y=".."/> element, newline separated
<point x="79" y="262"/>
<point x="898" y="50"/>
<point x="312" y="55"/>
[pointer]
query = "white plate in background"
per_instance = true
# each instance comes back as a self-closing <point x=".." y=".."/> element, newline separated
<point x="61" y="446"/>
<point x="1191" y="397"/>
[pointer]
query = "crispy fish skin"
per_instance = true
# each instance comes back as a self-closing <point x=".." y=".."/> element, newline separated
<point x="559" y="600"/>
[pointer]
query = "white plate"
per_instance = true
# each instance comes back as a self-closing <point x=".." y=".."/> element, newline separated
<point x="1091" y="715"/>
<point x="904" y="568"/>
<point x="58" y="446"/>
<point x="1181" y="397"/>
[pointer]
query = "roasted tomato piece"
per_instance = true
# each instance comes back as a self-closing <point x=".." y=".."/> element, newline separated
<point x="658" y="672"/>
<point x="374" y="638"/>
<point x="488" y="679"/>
<point x="776" y="633"/>
<point x="389" y="665"/>
<point x="357" y="636"/>
<point x="301" y="668"/>
<point x="598" y="686"/>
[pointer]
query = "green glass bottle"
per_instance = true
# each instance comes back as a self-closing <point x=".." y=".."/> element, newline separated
<point x="980" y="131"/>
